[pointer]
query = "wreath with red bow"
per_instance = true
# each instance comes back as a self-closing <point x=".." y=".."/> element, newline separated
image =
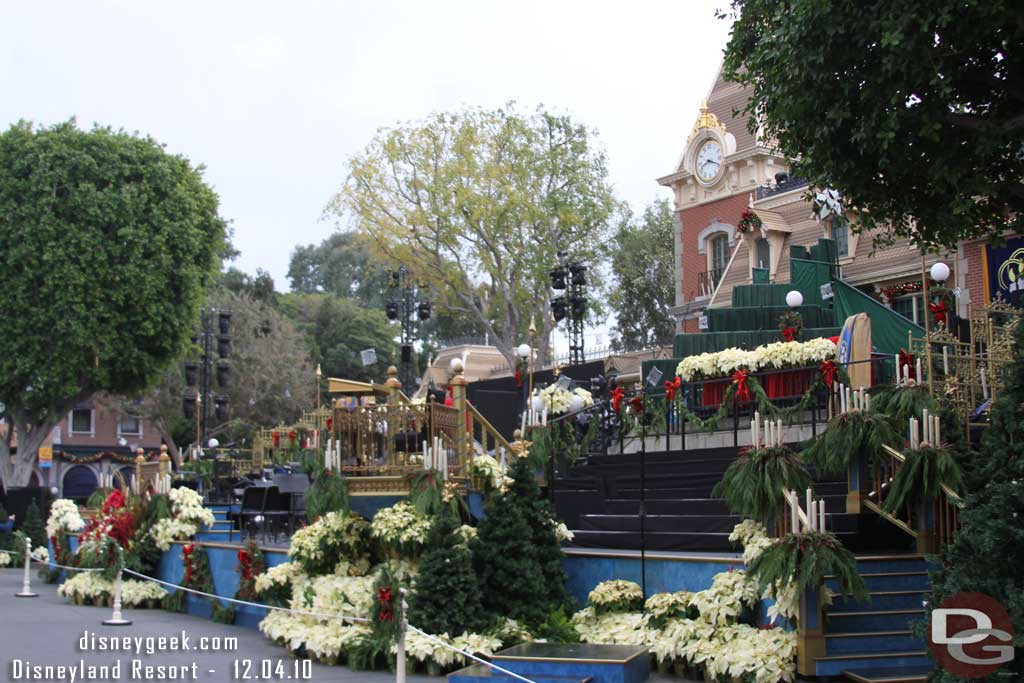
<point x="749" y="221"/>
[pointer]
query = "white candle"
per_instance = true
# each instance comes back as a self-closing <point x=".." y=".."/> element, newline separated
<point x="849" y="399"/>
<point x="794" y="520"/>
<point x="544" y="416"/>
<point x="898" y="370"/>
<point x="910" y="432"/>
<point x="522" y="429"/>
<point x="821" y="511"/>
<point x="984" y="384"/>
<point x="867" y="401"/>
<point x="938" y="439"/>
<point x="945" y="360"/>
<point x="780" y="433"/>
<point x="756" y="424"/>
<point x="809" y="517"/>
<point x="920" y="375"/>
<point x="812" y="515"/>
<point x="927" y="425"/>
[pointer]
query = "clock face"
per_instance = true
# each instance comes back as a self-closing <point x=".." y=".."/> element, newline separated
<point x="709" y="160"/>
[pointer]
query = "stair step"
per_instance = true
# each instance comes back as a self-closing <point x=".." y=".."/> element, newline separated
<point x="880" y="620"/>
<point x="655" y="540"/>
<point x="871" y="641"/>
<point x="891" y="674"/>
<point x="881" y="600"/>
<point x="671" y="523"/>
<point x="888" y="581"/>
<point x="835" y="665"/>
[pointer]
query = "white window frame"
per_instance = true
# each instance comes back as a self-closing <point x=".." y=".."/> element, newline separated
<point x="92" y="423"/>
<point x="120" y="430"/>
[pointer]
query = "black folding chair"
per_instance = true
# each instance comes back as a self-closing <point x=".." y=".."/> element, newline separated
<point x="276" y="510"/>
<point x="251" y="515"/>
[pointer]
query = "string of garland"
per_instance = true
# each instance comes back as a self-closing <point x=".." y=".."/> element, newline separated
<point x="88" y="458"/>
<point x="251" y="563"/>
<point x="761" y="399"/>
<point x="197" y="577"/>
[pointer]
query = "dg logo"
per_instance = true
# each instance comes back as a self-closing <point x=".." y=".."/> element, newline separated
<point x="971" y="635"/>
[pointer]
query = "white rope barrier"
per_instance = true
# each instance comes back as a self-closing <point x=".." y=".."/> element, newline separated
<point x="360" y="620"/>
<point x="118" y="620"/>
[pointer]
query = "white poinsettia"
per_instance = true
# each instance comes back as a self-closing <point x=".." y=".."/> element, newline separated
<point x="755" y="540"/>
<point x="562" y="532"/>
<point x="725" y="600"/>
<point x="487" y="468"/>
<point x="5" y="558"/>
<point x="64" y="516"/>
<point x="558" y="400"/>
<point x="400" y="525"/>
<point x="616" y="594"/>
<point x="188" y="516"/>
<point x="662" y="605"/>
<point x="615" y="628"/>
<point x="279" y="576"/>
<point x="92" y="586"/>
<point x="329" y="536"/>
<point x="41" y="554"/>
<point x="773" y="356"/>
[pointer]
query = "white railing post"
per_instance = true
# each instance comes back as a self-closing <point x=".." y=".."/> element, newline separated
<point x="116" y="619"/>
<point x="26" y="585"/>
<point x="403" y="624"/>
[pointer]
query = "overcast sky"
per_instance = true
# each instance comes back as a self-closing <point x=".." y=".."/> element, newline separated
<point x="274" y="97"/>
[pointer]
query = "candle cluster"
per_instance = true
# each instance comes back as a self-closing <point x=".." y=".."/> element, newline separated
<point x="163" y="483"/>
<point x="905" y="378"/>
<point x="435" y="456"/>
<point x="849" y="400"/>
<point x="106" y="480"/>
<point x="332" y="455"/>
<point x="925" y="433"/>
<point x="815" y="512"/>
<point x="767" y="434"/>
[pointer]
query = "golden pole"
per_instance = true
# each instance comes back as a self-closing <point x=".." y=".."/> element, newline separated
<point x="316" y="420"/>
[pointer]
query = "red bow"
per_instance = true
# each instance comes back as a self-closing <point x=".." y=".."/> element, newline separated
<point x="291" y="435"/>
<point x="829" y="371"/>
<point x="637" y="403"/>
<point x="617" y="397"/>
<point x="939" y="311"/>
<point x="277" y="439"/>
<point x="907" y="359"/>
<point x="384" y="599"/>
<point x="739" y="378"/>
<point x="788" y="334"/>
<point x="329" y="423"/>
<point x="519" y="378"/>
<point x="671" y="387"/>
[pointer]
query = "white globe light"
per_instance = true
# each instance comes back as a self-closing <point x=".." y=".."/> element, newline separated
<point x="538" y="404"/>
<point x="523" y="351"/>
<point x="576" y="403"/>
<point x="456" y="365"/>
<point x="212" y="443"/>
<point x="940" y="272"/>
<point x="794" y="299"/>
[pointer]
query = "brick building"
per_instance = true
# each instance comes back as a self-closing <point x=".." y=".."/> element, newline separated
<point x="725" y="169"/>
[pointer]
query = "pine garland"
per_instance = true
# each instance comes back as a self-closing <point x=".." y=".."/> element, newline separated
<point x="327" y="493"/>
<point x="197" y="577"/>
<point x="754" y="483"/>
<point x="921" y="477"/>
<point x="251" y="563"/>
<point x="807" y="558"/>
<point x="849" y="433"/>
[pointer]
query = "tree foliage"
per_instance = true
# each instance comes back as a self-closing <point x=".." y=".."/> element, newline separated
<point x="641" y="256"/>
<point x="516" y="553"/>
<point x="987" y="553"/>
<point x="342" y="265"/>
<point x="109" y="243"/>
<point x="477" y="203"/>
<point x="913" y="111"/>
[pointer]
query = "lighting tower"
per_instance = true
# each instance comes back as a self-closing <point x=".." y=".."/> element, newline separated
<point x="202" y="372"/>
<point x="570" y="278"/>
<point x="403" y="307"/>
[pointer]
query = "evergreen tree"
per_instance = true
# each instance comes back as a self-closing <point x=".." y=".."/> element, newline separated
<point x="34" y="527"/>
<point x="447" y="596"/>
<point x="986" y="556"/>
<point x="516" y="553"/>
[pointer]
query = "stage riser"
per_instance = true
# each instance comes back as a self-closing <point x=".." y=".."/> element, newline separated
<point x="836" y="667"/>
<point x="909" y="600"/>
<point x="859" y="623"/>
<point x="887" y="643"/>
<point x="889" y="583"/>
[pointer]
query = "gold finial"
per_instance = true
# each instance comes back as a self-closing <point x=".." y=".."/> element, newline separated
<point x="533" y="325"/>
<point x="318" y="373"/>
<point x="392" y="380"/>
<point x="707" y="119"/>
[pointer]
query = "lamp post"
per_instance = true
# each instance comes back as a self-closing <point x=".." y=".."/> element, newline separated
<point x="215" y="347"/>
<point x="533" y="333"/>
<point x="524" y="351"/>
<point x="403" y="307"/>
<point x="316" y="419"/>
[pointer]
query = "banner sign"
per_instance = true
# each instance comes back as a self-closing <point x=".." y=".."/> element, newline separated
<point x="1005" y="268"/>
<point x="45" y="456"/>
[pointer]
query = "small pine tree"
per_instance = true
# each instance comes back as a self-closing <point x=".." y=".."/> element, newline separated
<point x="447" y="596"/>
<point x="34" y="527"/>
<point x="516" y="553"/>
<point x="986" y="556"/>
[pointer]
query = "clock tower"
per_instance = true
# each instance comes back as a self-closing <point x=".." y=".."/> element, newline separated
<point x="721" y="166"/>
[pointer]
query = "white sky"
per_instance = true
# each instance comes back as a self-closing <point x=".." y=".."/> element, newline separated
<point x="274" y="97"/>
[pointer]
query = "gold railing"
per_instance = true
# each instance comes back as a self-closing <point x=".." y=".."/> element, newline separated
<point x="944" y="511"/>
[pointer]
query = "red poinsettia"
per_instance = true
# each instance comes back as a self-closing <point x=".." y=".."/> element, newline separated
<point x="637" y="403"/>
<point x="384" y="600"/>
<point x="617" y="396"/>
<point x="115" y="501"/>
<point x="671" y="387"/>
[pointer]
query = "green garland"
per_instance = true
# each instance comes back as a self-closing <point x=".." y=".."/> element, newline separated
<point x="251" y="564"/>
<point x="849" y="433"/>
<point x="560" y="437"/>
<point x="807" y="559"/>
<point x="754" y="483"/>
<point x="197" y="577"/>
<point x="921" y="477"/>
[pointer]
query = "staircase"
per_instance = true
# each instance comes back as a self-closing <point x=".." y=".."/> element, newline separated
<point x="223" y="529"/>
<point x="600" y="503"/>
<point x="872" y="642"/>
<point x="866" y="643"/>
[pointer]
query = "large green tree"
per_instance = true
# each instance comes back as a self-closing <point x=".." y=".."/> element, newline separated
<point x="477" y="203"/>
<point x="913" y="111"/>
<point x="109" y="244"/>
<point x="343" y="265"/>
<point x="641" y="256"/>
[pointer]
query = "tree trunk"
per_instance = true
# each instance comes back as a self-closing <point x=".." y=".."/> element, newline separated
<point x="16" y="469"/>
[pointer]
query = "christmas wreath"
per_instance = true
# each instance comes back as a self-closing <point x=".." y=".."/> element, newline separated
<point x="749" y="221"/>
<point x="791" y="324"/>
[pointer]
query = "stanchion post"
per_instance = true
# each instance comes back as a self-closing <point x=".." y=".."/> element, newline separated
<point x="116" y="619"/>
<point x="403" y="624"/>
<point x="26" y="584"/>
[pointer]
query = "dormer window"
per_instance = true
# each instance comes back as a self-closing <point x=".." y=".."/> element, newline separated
<point x="841" y="236"/>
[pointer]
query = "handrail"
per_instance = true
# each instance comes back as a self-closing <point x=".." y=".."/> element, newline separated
<point x="488" y="427"/>
<point x="889" y="517"/>
<point x="794" y="502"/>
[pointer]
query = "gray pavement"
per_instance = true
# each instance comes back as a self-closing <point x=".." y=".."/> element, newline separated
<point x="47" y="630"/>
